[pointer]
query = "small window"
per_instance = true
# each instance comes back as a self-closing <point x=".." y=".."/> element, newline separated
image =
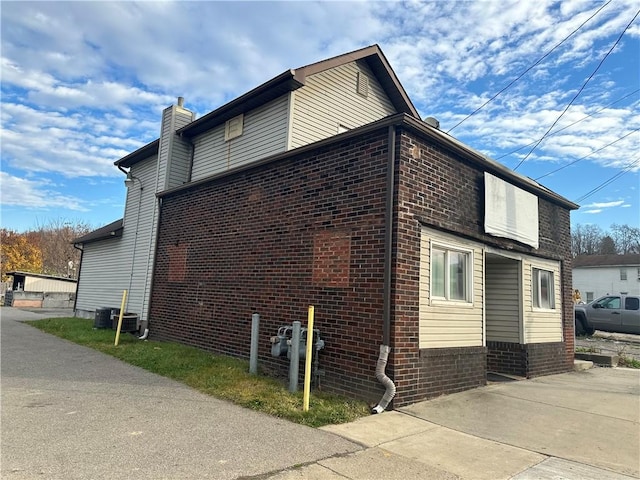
<point x="450" y="274"/>
<point x="589" y="297"/>
<point x="623" y="274"/>
<point x="543" y="296"/>
<point x="632" y="303"/>
<point x="233" y="128"/>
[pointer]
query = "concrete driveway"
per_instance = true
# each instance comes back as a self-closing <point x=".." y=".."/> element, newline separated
<point x="69" y="412"/>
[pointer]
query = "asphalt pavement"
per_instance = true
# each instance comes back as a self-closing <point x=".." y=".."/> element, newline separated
<point x="72" y="413"/>
<point x="69" y="412"/>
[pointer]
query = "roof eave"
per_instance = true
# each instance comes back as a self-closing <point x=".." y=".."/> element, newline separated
<point x="143" y="152"/>
<point x="274" y="88"/>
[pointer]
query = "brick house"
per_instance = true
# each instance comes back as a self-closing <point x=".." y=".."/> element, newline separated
<point x="404" y="239"/>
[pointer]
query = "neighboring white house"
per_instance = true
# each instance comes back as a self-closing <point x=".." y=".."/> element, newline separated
<point x="598" y="275"/>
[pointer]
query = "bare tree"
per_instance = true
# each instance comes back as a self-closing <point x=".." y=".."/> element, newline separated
<point x="627" y="238"/>
<point x="59" y="257"/>
<point x="586" y="240"/>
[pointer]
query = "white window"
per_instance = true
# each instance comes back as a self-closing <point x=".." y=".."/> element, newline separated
<point x="623" y="274"/>
<point x="451" y="274"/>
<point x="543" y="296"/>
<point x="233" y="127"/>
<point x="589" y="297"/>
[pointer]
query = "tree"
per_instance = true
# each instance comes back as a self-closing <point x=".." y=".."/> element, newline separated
<point x="59" y="257"/>
<point x="607" y="246"/>
<point x="586" y="240"/>
<point x="627" y="238"/>
<point x="17" y="252"/>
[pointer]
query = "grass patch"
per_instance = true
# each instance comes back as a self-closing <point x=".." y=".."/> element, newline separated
<point x="217" y="375"/>
<point x="629" y="362"/>
<point x="587" y="350"/>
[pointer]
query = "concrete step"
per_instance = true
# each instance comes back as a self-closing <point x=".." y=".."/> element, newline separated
<point x="582" y="364"/>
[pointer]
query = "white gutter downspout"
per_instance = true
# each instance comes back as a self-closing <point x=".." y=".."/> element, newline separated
<point x="385" y="349"/>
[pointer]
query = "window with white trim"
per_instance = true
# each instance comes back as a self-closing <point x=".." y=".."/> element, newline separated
<point x="623" y="274"/>
<point x="543" y="296"/>
<point x="451" y="272"/>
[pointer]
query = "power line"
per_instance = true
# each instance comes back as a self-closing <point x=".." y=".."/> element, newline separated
<point x="527" y="70"/>
<point x="610" y="180"/>
<point x="588" y="155"/>
<point x="571" y="124"/>
<point x="579" y="91"/>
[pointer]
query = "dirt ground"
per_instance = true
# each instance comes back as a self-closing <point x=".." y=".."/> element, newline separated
<point x="606" y="343"/>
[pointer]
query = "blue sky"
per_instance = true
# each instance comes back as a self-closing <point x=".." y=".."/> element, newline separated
<point x="84" y="83"/>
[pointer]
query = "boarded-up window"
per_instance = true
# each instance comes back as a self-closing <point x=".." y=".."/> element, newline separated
<point x="331" y="259"/>
<point x="177" y="262"/>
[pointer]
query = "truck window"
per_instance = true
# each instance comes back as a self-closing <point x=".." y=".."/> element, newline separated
<point x="611" y="303"/>
<point x="631" y="303"/>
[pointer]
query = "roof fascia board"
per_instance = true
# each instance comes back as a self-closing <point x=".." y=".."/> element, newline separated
<point x="402" y="120"/>
<point x="285" y="82"/>
<point x="378" y="62"/>
<point x="489" y="164"/>
<point x="143" y="152"/>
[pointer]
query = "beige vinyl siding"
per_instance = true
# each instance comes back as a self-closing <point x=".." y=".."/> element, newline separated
<point x="35" y="284"/>
<point x="264" y="133"/>
<point x="329" y="99"/>
<point x="450" y="324"/>
<point x="502" y="307"/>
<point x="541" y="325"/>
<point x="179" y="151"/>
<point x="166" y="134"/>
<point x="113" y="265"/>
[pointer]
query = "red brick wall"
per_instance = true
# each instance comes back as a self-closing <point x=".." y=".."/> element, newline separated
<point x="443" y="191"/>
<point x="309" y="229"/>
<point x="274" y="239"/>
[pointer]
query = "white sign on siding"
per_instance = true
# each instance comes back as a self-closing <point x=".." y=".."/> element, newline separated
<point x="509" y="211"/>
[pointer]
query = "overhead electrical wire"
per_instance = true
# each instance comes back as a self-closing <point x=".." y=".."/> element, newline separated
<point x="579" y="91"/>
<point x="529" y="68"/>
<point x="610" y="180"/>
<point x="588" y="155"/>
<point x="571" y="124"/>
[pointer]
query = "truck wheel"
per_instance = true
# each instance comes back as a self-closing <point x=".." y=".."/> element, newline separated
<point x="582" y="328"/>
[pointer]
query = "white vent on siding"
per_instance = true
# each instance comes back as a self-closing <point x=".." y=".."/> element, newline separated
<point x="233" y="127"/>
<point x="342" y="128"/>
<point x="362" y="84"/>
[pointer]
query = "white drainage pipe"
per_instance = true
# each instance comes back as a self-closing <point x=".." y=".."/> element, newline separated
<point x="384" y="380"/>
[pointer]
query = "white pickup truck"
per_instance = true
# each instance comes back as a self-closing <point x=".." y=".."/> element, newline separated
<point x="611" y="313"/>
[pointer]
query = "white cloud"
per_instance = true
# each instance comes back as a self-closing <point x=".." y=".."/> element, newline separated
<point x="596" y="210"/>
<point x="616" y="203"/>
<point x="35" y="194"/>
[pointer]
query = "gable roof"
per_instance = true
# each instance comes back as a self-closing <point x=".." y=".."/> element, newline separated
<point x="606" y="260"/>
<point x="293" y="79"/>
<point x="112" y="230"/>
<point x="288" y="81"/>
